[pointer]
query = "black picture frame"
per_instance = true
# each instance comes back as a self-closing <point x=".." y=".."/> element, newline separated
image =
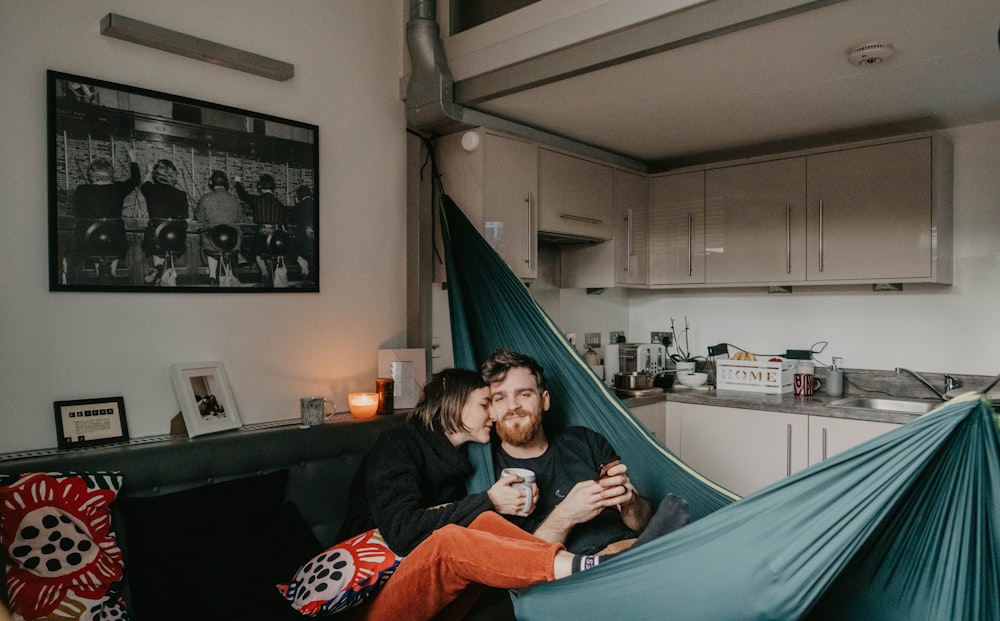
<point x="131" y="210"/>
<point x="90" y="422"/>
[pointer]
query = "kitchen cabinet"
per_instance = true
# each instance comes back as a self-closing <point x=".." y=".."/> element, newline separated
<point x="677" y="229"/>
<point x="654" y="419"/>
<point x="624" y="260"/>
<point x="877" y="212"/>
<point x="829" y="436"/>
<point x="575" y="197"/>
<point x="880" y="213"/>
<point x="755" y="223"/>
<point x="631" y="228"/>
<point x="741" y="450"/>
<point x="496" y="186"/>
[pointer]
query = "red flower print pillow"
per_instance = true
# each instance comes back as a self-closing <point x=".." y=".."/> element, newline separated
<point x="341" y="577"/>
<point x="62" y="557"/>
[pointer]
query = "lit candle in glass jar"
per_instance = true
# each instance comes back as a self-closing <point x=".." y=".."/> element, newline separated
<point x="362" y="404"/>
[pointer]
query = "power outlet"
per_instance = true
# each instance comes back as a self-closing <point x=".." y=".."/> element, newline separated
<point x="664" y="338"/>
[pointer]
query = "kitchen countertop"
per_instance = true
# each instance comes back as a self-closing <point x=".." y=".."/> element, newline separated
<point x="857" y="383"/>
<point x="815" y="405"/>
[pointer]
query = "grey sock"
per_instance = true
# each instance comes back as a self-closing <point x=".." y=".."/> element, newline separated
<point x="672" y="513"/>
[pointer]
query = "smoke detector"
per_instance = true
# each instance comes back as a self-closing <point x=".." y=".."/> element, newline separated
<point x="871" y="53"/>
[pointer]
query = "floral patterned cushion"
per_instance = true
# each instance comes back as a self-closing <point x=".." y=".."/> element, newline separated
<point x="62" y="557"/>
<point x="342" y="576"/>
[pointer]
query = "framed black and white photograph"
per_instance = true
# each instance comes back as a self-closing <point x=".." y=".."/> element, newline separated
<point x="206" y="400"/>
<point x="155" y="192"/>
<point x="90" y="422"/>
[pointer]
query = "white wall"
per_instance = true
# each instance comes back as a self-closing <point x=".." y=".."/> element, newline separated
<point x="348" y="57"/>
<point x="928" y="328"/>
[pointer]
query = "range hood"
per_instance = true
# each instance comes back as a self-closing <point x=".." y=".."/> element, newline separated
<point x="566" y="239"/>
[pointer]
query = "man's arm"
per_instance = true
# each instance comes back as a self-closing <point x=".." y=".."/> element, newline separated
<point x="582" y="504"/>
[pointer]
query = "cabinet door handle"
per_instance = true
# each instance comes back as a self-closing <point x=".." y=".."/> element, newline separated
<point x="788" y="238"/>
<point x="824" y="443"/>
<point x="628" y="241"/>
<point x="573" y="216"/>
<point x="788" y="450"/>
<point x="527" y="258"/>
<point x="821" y="235"/>
<point x="690" y="244"/>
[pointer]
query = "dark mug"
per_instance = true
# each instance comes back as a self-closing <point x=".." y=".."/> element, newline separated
<point x="806" y="384"/>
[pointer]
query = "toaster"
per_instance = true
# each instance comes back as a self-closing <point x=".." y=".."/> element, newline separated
<point x="638" y="357"/>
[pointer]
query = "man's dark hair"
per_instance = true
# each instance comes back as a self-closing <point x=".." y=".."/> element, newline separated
<point x="494" y="369"/>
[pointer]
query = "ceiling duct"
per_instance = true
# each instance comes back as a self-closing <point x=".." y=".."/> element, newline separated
<point x="430" y="95"/>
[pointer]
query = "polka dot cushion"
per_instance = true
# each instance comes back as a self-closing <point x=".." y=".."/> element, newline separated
<point x="341" y="577"/>
<point x="62" y="557"/>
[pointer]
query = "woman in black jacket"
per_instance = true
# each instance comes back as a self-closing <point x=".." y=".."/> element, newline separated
<point x="415" y="494"/>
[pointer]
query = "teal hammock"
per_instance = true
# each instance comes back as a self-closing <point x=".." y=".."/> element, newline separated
<point x="905" y="526"/>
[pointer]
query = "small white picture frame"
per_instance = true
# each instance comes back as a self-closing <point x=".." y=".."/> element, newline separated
<point x="206" y="401"/>
<point x="408" y="369"/>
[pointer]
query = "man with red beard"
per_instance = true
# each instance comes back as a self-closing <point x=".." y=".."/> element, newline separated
<point x="585" y="498"/>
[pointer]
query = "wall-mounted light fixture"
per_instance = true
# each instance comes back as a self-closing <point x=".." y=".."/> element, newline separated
<point x="143" y="33"/>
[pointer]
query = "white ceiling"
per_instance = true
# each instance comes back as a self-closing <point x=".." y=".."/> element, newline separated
<point x="783" y="84"/>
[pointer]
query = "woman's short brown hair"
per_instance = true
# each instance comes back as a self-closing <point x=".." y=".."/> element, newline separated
<point x="443" y="399"/>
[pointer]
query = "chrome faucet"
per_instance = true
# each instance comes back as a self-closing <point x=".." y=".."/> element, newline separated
<point x="950" y="383"/>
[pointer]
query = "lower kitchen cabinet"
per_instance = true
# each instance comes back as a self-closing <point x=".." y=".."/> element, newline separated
<point x="741" y="450"/>
<point x="745" y="450"/>
<point x="653" y="417"/>
<point x="829" y="436"/>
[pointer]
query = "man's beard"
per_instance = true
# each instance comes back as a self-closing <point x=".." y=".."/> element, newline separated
<point x="523" y="433"/>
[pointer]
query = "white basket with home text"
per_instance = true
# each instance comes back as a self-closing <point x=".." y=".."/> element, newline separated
<point x="755" y="375"/>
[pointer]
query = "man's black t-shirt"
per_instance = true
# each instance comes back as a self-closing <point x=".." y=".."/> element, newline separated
<point x="574" y="454"/>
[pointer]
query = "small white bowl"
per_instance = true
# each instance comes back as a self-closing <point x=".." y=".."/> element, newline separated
<point x="692" y="380"/>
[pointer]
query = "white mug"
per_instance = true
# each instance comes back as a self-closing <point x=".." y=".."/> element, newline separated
<point x="529" y="478"/>
<point x="313" y="410"/>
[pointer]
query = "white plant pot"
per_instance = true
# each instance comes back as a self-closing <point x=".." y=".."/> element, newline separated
<point x="685" y="367"/>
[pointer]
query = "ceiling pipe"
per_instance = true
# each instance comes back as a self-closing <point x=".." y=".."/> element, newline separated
<point x="430" y="96"/>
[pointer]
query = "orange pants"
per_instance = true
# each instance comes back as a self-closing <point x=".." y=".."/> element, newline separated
<point x="491" y="552"/>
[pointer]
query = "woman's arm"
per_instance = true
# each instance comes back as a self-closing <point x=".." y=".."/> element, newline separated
<point x="400" y="494"/>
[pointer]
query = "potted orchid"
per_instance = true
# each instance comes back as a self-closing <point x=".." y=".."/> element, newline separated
<point x="682" y="357"/>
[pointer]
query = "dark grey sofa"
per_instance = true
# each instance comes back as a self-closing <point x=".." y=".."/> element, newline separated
<point x="320" y="461"/>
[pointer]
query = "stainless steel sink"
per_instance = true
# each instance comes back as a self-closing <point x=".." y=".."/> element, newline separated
<point x="891" y="404"/>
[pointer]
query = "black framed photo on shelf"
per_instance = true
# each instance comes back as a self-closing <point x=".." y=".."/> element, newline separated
<point x="90" y="422"/>
<point x="154" y="192"/>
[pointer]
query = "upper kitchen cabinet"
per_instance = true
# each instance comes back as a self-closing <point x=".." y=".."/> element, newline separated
<point x="881" y="213"/>
<point x="677" y="229"/>
<point x="496" y="186"/>
<point x="575" y="197"/>
<point x="623" y="261"/>
<point x="631" y="228"/>
<point x="755" y="223"/>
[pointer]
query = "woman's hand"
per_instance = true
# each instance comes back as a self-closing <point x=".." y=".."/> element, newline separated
<point x="509" y="500"/>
